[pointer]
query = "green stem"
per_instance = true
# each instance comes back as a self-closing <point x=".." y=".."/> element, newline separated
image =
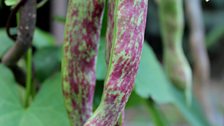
<point x="42" y="3"/>
<point x="28" y="77"/>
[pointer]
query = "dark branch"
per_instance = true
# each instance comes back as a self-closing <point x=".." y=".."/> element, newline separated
<point x="199" y="54"/>
<point x="27" y="21"/>
<point x="197" y="40"/>
<point x="13" y="13"/>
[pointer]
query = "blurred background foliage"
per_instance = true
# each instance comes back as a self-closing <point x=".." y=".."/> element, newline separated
<point x="154" y="101"/>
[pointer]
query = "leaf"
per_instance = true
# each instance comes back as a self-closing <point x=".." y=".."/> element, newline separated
<point x="5" y="42"/>
<point x="104" y="21"/>
<point x="49" y="103"/>
<point x="47" y="108"/>
<point x="42" y="39"/>
<point x="151" y="80"/>
<point x="47" y="61"/>
<point x="101" y="67"/>
<point x="193" y="113"/>
<point x="135" y="100"/>
<point x="11" y="2"/>
<point x="98" y="94"/>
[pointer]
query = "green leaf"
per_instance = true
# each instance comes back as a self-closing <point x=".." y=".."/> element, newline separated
<point x="98" y="94"/>
<point x="47" y="108"/>
<point x="47" y="61"/>
<point x="42" y="39"/>
<point x="193" y="113"/>
<point x="5" y="42"/>
<point x="49" y="103"/>
<point x="104" y="22"/>
<point x="134" y="100"/>
<point x="151" y="80"/>
<point x="11" y="2"/>
<point x="101" y="68"/>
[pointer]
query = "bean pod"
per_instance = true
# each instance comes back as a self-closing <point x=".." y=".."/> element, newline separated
<point x="125" y="36"/>
<point x="82" y="32"/>
<point x="175" y="63"/>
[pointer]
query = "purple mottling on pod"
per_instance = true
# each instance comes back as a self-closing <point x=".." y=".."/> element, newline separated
<point x="82" y="32"/>
<point x="125" y="36"/>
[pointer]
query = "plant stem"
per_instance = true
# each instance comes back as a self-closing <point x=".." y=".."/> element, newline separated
<point x="41" y="3"/>
<point x="199" y="54"/>
<point x="26" y="26"/>
<point x="28" y="77"/>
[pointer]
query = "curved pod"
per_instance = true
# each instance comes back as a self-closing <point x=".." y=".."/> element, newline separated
<point x="125" y="36"/>
<point x="172" y="23"/>
<point x="82" y="32"/>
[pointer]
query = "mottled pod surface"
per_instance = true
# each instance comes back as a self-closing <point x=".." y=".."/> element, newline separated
<point x="125" y="36"/>
<point x="172" y="23"/>
<point x="82" y="32"/>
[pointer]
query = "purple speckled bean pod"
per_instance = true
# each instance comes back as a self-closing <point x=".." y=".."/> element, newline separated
<point x="125" y="38"/>
<point x="82" y="32"/>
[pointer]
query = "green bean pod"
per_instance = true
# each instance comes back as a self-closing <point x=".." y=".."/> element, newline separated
<point x="175" y="62"/>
